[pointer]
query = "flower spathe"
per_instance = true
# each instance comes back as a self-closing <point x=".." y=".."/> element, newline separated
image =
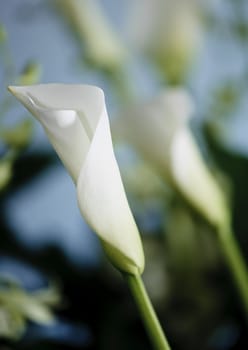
<point x="159" y="130"/>
<point x="103" y="47"/>
<point x="76" y="122"/>
<point x="170" y="32"/>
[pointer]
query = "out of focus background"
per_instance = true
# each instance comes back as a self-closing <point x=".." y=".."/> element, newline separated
<point x="57" y="291"/>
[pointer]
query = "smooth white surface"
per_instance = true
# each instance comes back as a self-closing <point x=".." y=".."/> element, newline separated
<point x="85" y="147"/>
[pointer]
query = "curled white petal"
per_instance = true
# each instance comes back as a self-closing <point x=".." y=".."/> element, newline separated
<point x="194" y="180"/>
<point x="69" y="115"/>
<point x="159" y="130"/>
<point x="151" y="126"/>
<point x="169" y="31"/>
<point x="76" y="122"/>
<point x="103" y="202"/>
<point x="90" y="23"/>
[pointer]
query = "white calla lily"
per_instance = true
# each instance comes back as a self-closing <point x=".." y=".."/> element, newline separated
<point x="76" y="122"/>
<point x="169" y="31"/>
<point x="103" y="46"/>
<point x="159" y="130"/>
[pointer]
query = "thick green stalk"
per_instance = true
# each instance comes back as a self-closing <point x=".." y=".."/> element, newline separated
<point x="236" y="263"/>
<point x="147" y="312"/>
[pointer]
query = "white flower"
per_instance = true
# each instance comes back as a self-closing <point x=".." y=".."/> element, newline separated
<point x="76" y="122"/>
<point x="103" y="47"/>
<point x="159" y="130"/>
<point x="169" y="31"/>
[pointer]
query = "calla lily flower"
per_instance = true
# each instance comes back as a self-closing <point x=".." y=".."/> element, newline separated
<point x="159" y="131"/>
<point x="75" y="120"/>
<point x="87" y="18"/>
<point x="169" y="31"/>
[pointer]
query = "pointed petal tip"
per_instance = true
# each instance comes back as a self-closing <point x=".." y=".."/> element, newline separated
<point x="15" y="90"/>
<point x="11" y="88"/>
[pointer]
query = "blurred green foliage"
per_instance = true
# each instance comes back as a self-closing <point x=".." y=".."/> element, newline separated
<point x="17" y="306"/>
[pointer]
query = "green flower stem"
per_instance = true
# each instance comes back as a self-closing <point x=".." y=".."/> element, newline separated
<point x="122" y="87"/>
<point x="236" y="263"/>
<point x="147" y="312"/>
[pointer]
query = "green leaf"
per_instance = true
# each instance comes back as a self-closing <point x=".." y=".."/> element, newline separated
<point x="19" y="136"/>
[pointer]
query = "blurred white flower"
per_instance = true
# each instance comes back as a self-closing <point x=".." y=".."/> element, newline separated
<point x="103" y="47"/>
<point x="159" y="131"/>
<point x="76" y="122"/>
<point x="169" y="31"/>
